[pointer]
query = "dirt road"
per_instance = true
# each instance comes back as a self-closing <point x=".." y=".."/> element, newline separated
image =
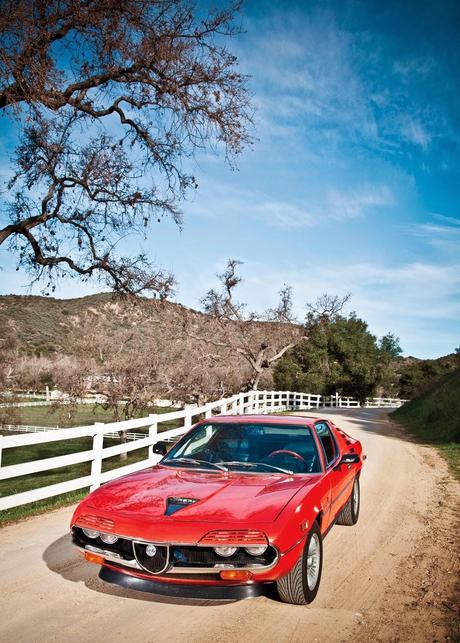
<point x="389" y="578"/>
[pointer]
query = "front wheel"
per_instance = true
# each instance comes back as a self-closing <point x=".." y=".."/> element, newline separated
<point x="301" y="585"/>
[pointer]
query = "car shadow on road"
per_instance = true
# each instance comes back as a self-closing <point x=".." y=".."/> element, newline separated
<point x="62" y="558"/>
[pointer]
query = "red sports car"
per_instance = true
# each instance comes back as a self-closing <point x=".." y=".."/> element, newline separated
<point x="239" y="503"/>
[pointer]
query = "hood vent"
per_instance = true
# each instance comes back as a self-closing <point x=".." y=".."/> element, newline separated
<point x="174" y="504"/>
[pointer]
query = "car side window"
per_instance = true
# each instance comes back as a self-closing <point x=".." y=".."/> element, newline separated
<point x="327" y="441"/>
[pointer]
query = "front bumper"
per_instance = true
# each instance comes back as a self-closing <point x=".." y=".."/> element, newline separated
<point x="184" y="590"/>
<point x="201" y="568"/>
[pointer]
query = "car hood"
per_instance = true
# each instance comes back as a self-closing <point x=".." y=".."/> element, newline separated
<point x="219" y="497"/>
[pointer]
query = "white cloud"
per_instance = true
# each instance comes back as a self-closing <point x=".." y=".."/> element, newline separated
<point x="317" y="78"/>
<point x="442" y="232"/>
<point x="415" y="132"/>
<point x="306" y="74"/>
<point x="355" y="203"/>
<point x="217" y="200"/>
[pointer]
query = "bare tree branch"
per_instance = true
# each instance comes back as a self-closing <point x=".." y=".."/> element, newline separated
<point x="84" y="181"/>
<point x="260" y="340"/>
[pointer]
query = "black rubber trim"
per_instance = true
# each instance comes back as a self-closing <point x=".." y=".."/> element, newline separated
<point x="216" y="592"/>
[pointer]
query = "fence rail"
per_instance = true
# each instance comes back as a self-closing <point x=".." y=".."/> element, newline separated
<point x="252" y="402"/>
<point x="25" y="428"/>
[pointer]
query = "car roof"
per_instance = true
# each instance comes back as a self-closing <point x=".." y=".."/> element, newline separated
<point x="263" y="419"/>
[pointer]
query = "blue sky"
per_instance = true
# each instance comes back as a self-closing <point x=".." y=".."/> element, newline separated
<point x="353" y="184"/>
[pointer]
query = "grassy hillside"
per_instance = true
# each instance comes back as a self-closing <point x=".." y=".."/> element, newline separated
<point x="434" y="417"/>
<point x="47" y="326"/>
<point x="415" y="376"/>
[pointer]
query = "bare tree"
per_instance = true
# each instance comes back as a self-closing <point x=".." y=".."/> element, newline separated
<point x="325" y="309"/>
<point x="284" y="310"/>
<point x="260" y="340"/>
<point x="112" y="97"/>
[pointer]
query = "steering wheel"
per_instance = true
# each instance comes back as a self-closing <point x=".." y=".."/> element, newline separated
<point x="291" y="453"/>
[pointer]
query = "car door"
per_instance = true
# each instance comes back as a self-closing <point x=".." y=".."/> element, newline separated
<point x="337" y="480"/>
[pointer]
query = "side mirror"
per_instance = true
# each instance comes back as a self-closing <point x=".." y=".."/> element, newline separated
<point x="160" y="448"/>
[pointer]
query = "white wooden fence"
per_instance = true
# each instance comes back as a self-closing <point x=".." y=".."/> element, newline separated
<point x="27" y="428"/>
<point x="244" y="403"/>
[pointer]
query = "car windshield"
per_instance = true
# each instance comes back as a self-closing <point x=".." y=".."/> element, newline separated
<point x="248" y="447"/>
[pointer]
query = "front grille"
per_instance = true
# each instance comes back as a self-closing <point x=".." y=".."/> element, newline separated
<point x="182" y="556"/>
<point x="153" y="564"/>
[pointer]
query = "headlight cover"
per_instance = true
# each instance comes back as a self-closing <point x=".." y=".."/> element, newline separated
<point x="256" y="550"/>
<point x="225" y="550"/>
<point x="109" y="539"/>
<point x="91" y="533"/>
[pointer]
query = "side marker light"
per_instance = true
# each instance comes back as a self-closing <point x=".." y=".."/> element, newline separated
<point x="230" y="574"/>
<point x="94" y="558"/>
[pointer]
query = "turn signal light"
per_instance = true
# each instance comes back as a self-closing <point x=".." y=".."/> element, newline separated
<point x="235" y="574"/>
<point x="94" y="558"/>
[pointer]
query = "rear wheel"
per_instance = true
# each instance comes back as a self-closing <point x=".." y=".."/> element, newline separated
<point x="350" y="513"/>
<point x="301" y="585"/>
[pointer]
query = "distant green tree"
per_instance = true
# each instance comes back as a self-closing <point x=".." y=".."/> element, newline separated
<point x="390" y="357"/>
<point x="389" y="345"/>
<point x="341" y="355"/>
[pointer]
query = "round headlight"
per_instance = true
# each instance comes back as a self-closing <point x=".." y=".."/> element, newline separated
<point x="225" y="551"/>
<point x="257" y="550"/>
<point x="91" y="533"/>
<point x="109" y="538"/>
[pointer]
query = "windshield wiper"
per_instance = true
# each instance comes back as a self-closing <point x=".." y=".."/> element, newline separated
<point x="257" y="464"/>
<point x="194" y="461"/>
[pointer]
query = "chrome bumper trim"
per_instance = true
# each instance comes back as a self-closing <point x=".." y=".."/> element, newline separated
<point x="113" y="557"/>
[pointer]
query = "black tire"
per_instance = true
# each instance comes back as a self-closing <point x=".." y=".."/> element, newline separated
<point x="296" y="587"/>
<point x="350" y="513"/>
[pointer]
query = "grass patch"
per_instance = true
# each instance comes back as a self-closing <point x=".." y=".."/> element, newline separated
<point x="42" y="506"/>
<point x="65" y="416"/>
<point x="434" y="418"/>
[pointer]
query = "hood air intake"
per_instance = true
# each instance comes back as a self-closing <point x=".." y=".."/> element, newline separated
<point x="174" y="504"/>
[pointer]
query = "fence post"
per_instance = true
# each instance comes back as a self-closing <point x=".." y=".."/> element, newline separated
<point x="255" y="402"/>
<point x="223" y="408"/>
<point x="187" y="419"/>
<point x="208" y="413"/>
<point x="153" y="433"/>
<point x="250" y="406"/>
<point x="1" y="440"/>
<point x="96" y="464"/>
<point x="241" y="401"/>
